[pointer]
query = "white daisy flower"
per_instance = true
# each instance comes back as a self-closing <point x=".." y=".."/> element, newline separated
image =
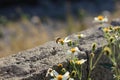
<point x="101" y="19"/>
<point x="106" y="29"/>
<point x="73" y="51"/>
<point x="78" y="36"/>
<point x="61" y="77"/>
<point x="63" y="41"/>
<point x="79" y="62"/>
<point x="49" y="72"/>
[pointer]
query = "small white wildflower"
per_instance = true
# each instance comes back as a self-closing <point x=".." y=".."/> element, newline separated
<point x="61" y="77"/>
<point x="106" y="29"/>
<point x="73" y="51"/>
<point x="60" y="41"/>
<point x="49" y="72"/>
<point x="79" y="62"/>
<point x="82" y="35"/>
<point x="63" y="41"/>
<point x="78" y="36"/>
<point x="101" y="19"/>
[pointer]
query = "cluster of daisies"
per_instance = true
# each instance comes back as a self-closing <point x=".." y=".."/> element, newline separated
<point x="72" y="53"/>
<point x="112" y="35"/>
<point x="67" y="75"/>
<point x="57" y="76"/>
<point x="76" y="63"/>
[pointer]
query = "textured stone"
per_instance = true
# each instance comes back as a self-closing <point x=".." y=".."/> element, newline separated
<point x="32" y="64"/>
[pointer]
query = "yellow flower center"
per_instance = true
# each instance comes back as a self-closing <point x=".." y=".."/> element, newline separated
<point x="59" y="40"/>
<point x="79" y="36"/>
<point x="59" y="77"/>
<point x="50" y="70"/>
<point x="100" y="18"/>
<point x="73" y="50"/>
<point x="106" y="30"/>
<point x="78" y="62"/>
<point x="71" y="61"/>
<point x="60" y="65"/>
<point x="116" y="28"/>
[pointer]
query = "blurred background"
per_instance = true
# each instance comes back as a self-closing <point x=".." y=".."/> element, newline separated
<point x="26" y="24"/>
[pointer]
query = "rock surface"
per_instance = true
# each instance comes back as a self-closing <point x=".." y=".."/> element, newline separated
<point x="32" y="64"/>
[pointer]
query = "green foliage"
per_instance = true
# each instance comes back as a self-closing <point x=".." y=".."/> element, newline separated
<point x="112" y="50"/>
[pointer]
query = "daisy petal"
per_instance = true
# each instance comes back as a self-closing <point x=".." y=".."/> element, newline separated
<point x="71" y="79"/>
<point x="66" y="75"/>
<point x="55" y="73"/>
<point x="75" y="53"/>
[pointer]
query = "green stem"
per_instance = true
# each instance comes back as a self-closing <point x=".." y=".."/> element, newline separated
<point x="100" y="55"/>
<point x="89" y="78"/>
<point x="79" y="73"/>
<point x="90" y="70"/>
<point x="113" y="59"/>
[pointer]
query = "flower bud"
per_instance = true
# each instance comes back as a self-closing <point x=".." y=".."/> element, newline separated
<point x="63" y="70"/>
<point x="73" y="74"/>
<point x="107" y="51"/>
<point x="111" y="39"/>
<point x="60" y="65"/>
<point x="92" y="55"/>
<point x="94" y="46"/>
